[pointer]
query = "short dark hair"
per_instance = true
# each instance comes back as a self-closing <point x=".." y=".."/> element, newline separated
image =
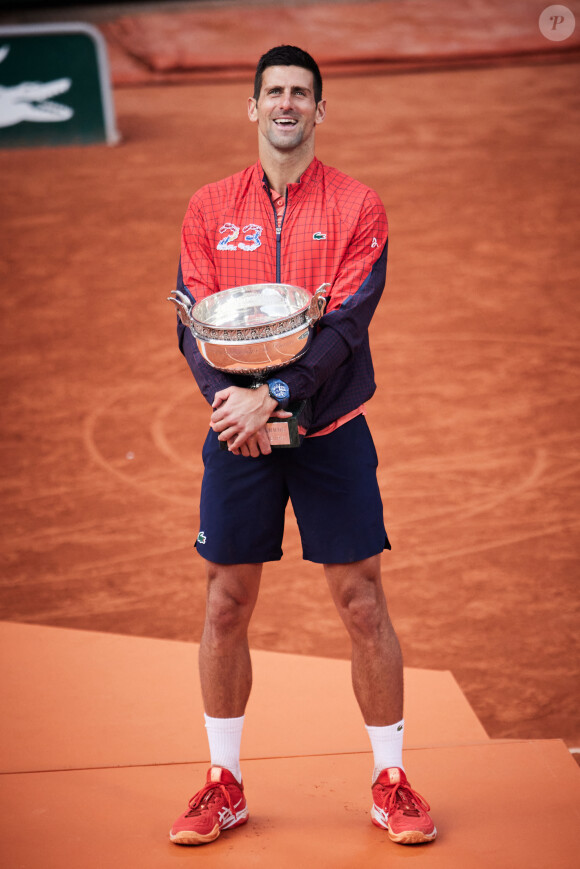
<point x="288" y="55"/>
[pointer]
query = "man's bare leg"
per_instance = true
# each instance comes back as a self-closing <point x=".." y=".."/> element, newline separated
<point x="377" y="676"/>
<point x="377" y="664"/>
<point x="224" y="657"/>
<point x="226" y="679"/>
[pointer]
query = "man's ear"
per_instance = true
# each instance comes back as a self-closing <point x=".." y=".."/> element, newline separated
<point x="252" y="109"/>
<point x="320" y="112"/>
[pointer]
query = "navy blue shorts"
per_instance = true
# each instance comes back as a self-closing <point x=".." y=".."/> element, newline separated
<point x="331" y="481"/>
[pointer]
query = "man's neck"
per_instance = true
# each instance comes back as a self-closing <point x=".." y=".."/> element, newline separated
<point x="285" y="169"/>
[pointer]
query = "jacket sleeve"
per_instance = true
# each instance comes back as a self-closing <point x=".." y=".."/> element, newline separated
<point x="353" y="299"/>
<point x="196" y="278"/>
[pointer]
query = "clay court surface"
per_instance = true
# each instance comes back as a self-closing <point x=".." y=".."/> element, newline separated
<point x="476" y="355"/>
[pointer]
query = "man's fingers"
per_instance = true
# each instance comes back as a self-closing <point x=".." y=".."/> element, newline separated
<point x="256" y="445"/>
<point x="228" y="434"/>
<point x="263" y="442"/>
<point x="220" y="420"/>
<point x="220" y="397"/>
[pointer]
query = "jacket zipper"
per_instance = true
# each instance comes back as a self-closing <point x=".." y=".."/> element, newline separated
<point x="278" y="234"/>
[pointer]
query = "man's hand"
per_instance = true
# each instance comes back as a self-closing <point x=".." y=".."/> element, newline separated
<point x="240" y="416"/>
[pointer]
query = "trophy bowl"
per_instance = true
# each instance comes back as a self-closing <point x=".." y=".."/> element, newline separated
<point x="252" y="329"/>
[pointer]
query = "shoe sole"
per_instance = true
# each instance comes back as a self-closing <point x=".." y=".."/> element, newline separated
<point x="186" y="837"/>
<point x="411" y="837"/>
<point x="407" y="837"/>
<point x="189" y="837"/>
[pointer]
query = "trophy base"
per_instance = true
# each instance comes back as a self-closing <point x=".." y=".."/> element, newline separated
<point x="282" y="433"/>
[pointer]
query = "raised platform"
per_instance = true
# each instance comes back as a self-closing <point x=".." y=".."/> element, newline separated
<point x="102" y="744"/>
<point x="137" y="701"/>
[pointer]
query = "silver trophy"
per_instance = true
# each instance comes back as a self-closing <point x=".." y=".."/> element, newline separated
<point x="255" y="330"/>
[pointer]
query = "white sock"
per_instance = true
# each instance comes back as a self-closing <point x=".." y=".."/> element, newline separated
<point x="225" y="736"/>
<point x="387" y="746"/>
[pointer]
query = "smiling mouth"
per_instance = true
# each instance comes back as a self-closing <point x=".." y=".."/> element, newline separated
<point x="285" y="122"/>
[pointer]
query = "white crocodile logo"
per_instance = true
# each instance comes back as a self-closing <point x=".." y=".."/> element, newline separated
<point x="31" y="100"/>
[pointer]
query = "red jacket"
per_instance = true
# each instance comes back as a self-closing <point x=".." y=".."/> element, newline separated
<point x="334" y="230"/>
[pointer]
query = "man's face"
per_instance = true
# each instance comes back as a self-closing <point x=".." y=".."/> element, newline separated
<point x="286" y="112"/>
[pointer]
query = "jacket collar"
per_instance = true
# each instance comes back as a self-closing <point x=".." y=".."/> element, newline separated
<point x="297" y="189"/>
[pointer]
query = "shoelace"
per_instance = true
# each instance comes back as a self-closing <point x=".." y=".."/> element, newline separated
<point x="403" y="797"/>
<point x="208" y="794"/>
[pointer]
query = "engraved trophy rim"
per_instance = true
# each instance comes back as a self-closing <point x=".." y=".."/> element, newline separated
<point x="265" y="326"/>
<point x="263" y="321"/>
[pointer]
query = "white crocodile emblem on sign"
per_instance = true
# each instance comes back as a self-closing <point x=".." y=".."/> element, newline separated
<point x="31" y="100"/>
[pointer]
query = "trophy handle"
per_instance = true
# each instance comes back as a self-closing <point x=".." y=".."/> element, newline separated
<point x="317" y="305"/>
<point x="183" y="306"/>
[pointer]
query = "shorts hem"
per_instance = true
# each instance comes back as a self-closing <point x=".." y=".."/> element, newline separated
<point x="351" y="557"/>
<point x="215" y="558"/>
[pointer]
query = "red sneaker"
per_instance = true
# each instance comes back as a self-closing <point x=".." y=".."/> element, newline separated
<point x="400" y="810"/>
<point x="219" y="805"/>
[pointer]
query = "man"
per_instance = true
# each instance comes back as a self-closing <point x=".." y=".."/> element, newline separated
<point x="290" y="219"/>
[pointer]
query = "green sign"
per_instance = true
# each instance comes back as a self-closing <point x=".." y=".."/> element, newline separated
<point x="54" y="87"/>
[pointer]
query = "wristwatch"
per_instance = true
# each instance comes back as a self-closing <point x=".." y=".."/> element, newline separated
<point x="279" y="391"/>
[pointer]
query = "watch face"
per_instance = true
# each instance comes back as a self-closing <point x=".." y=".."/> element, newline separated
<point x="278" y="389"/>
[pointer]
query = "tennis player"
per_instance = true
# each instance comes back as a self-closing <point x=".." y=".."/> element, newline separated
<point x="290" y="219"/>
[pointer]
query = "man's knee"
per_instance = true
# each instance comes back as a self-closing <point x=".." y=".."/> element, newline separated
<point x="363" y="615"/>
<point x="231" y="597"/>
<point x="359" y="597"/>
